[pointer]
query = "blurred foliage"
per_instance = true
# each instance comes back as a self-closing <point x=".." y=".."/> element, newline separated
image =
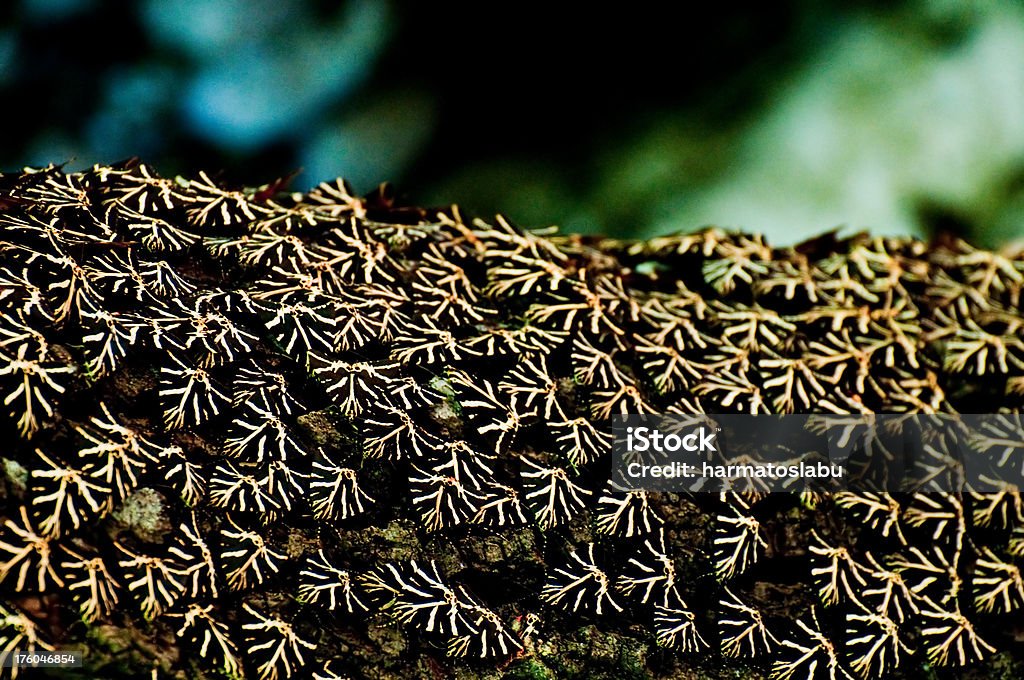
<point x="788" y="118"/>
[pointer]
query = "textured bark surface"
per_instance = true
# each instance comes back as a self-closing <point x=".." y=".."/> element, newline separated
<point x="189" y="370"/>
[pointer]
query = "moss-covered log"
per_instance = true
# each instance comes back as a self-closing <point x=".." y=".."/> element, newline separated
<point x="316" y="435"/>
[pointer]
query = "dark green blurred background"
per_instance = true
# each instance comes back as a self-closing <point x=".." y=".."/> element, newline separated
<point x="788" y="118"/>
